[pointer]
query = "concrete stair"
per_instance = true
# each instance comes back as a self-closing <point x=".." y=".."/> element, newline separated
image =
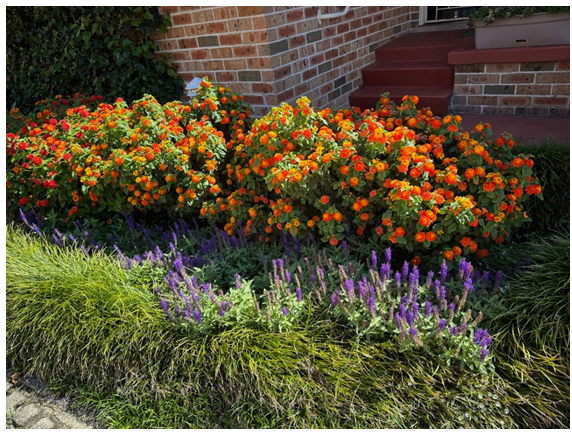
<point x="415" y="64"/>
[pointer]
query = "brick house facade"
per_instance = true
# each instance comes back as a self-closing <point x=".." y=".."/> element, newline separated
<point x="274" y="54"/>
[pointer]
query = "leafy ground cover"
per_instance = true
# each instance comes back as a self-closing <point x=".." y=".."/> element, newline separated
<point x="190" y="323"/>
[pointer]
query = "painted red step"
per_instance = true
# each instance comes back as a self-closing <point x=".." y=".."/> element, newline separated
<point x="406" y="73"/>
<point x="419" y="46"/>
<point x="438" y="98"/>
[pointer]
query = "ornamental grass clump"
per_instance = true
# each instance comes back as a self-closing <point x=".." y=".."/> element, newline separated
<point x="81" y="321"/>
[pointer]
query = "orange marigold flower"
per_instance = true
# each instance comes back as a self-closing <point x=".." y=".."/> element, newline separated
<point x="420" y="236"/>
<point x="337" y="216"/>
<point x="517" y="162"/>
<point x="364" y="216"/>
<point x="465" y="241"/>
<point x="489" y="186"/>
<point x="399" y="231"/>
<point x="483" y="252"/>
<point x="424" y="220"/>
<point x="354" y="181"/>
<point x="449" y="254"/>
<point x="431" y="236"/>
<point x="327" y="217"/>
<point x="325" y="199"/>
<point x="533" y="189"/>
<point x="451" y="178"/>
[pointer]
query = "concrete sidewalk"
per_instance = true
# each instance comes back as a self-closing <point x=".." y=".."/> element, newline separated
<point x="523" y="128"/>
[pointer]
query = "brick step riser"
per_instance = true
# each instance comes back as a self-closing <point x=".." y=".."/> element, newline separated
<point x="438" y="105"/>
<point x="405" y="77"/>
<point x="393" y="54"/>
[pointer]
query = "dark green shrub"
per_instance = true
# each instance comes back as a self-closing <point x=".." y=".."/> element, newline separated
<point x="552" y="167"/>
<point x="104" y="50"/>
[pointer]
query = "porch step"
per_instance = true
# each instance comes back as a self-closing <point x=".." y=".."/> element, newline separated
<point x="403" y="73"/>
<point x="436" y="97"/>
<point x="415" y="64"/>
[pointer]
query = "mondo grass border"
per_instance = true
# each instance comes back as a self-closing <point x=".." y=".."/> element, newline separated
<point x="79" y="321"/>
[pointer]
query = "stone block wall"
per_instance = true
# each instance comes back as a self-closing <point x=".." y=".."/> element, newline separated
<point x="272" y="54"/>
<point x="519" y="89"/>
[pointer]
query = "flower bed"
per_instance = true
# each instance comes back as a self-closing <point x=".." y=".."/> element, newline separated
<point x="398" y="174"/>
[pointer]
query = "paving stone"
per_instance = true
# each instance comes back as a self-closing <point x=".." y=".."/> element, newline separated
<point x="16" y="399"/>
<point x="69" y="420"/>
<point x="27" y="415"/>
<point x="47" y="423"/>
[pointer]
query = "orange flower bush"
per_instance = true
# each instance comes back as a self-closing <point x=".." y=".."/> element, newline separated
<point x="396" y="174"/>
<point x="148" y="157"/>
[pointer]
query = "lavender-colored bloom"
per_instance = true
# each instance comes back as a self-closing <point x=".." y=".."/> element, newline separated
<point x="468" y="270"/>
<point x="57" y="241"/>
<point x="362" y="291"/>
<point x="405" y="269"/>
<point x="36" y="229"/>
<point x="442" y="324"/>
<point x="498" y="279"/>
<point x="430" y="275"/>
<point x="463" y="327"/>
<point x="165" y="308"/>
<point x="287" y="275"/>
<point x="454" y="331"/>
<point x="443" y="272"/>
<point x="84" y="250"/>
<point x="349" y="285"/>
<point x="280" y="263"/>
<point x="415" y="309"/>
<point x="398" y="279"/>
<point x="206" y="287"/>
<point x="484" y="353"/>
<point x="485" y="279"/>
<point x="220" y="311"/>
<point x="298" y="294"/>
<point x="442" y="293"/>
<point x="384" y="271"/>
<point x="476" y="276"/>
<point x="24" y="218"/>
<point x="345" y="247"/>
<point x="171" y="246"/>
<point x="374" y="260"/>
<point x="237" y="281"/>
<point x="284" y="311"/>
<point x="313" y="278"/>
<point x="388" y="256"/>
<point x="413" y="331"/>
<point x="334" y="300"/>
<point x="461" y="268"/>
<point x="402" y="310"/>
<point x="451" y="308"/>
<point x="371" y="306"/>
<point x="468" y="286"/>
<point x="410" y="317"/>
<point x="198" y="316"/>
<point x="427" y="309"/>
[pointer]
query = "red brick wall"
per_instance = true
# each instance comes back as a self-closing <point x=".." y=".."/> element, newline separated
<point x="521" y="89"/>
<point x="272" y="54"/>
